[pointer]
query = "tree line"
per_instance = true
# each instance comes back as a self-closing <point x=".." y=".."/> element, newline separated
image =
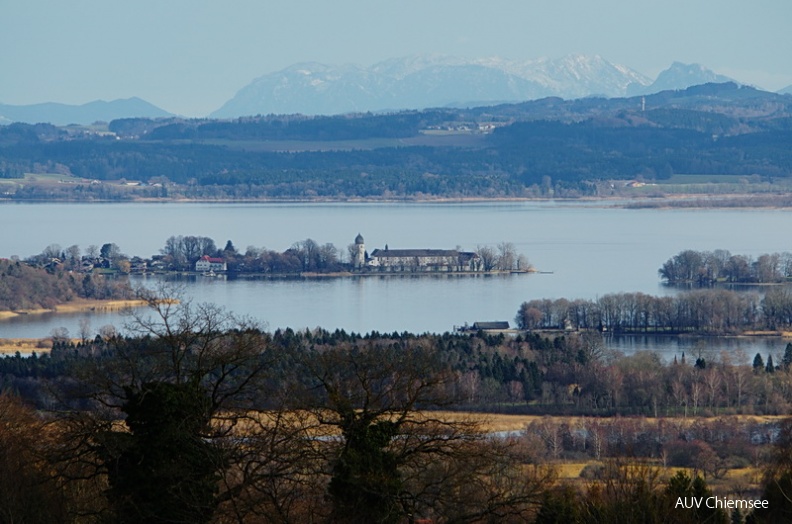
<point x="702" y="311"/>
<point x="181" y="252"/>
<point x="704" y="268"/>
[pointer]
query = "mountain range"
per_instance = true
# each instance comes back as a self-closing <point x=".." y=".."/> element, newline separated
<point x="65" y="114"/>
<point x="440" y="81"/>
<point x="414" y="82"/>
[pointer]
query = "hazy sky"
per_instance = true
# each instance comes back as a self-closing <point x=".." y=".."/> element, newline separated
<point x="190" y="56"/>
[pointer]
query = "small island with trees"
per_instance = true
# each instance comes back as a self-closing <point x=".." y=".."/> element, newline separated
<point x="705" y="268"/>
<point x="95" y="279"/>
<point x="200" y="254"/>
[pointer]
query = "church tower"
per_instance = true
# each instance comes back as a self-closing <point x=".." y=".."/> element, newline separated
<point x="360" y="254"/>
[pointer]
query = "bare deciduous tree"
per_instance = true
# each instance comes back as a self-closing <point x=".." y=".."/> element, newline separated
<point x="488" y="257"/>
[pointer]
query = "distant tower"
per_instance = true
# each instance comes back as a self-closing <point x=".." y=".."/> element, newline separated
<point x="360" y="255"/>
<point x="643" y="104"/>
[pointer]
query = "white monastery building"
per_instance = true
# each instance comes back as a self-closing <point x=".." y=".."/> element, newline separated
<point x="412" y="260"/>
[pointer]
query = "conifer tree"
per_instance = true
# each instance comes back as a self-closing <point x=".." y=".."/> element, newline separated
<point x="787" y="361"/>
<point x="770" y="368"/>
<point x="758" y="362"/>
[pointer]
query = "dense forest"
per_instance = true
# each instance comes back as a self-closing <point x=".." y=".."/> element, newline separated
<point x="561" y="373"/>
<point x="201" y="417"/>
<point x="541" y="148"/>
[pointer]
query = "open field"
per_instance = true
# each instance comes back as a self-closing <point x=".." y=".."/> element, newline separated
<point x="721" y="185"/>
<point x="9" y="346"/>
<point x="498" y="422"/>
<point x="742" y="479"/>
<point x="706" y="179"/>
<point x="425" y="140"/>
<point x="43" y="179"/>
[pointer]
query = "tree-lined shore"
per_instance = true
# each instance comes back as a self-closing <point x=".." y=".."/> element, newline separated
<point x="701" y="311"/>
<point x="24" y="287"/>
<point x="705" y="268"/>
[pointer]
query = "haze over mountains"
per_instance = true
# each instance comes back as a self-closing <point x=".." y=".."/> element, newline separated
<point x="414" y="82"/>
<point x="65" y="114"/>
<point x="441" y="81"/>
<point x="426" y="81"/>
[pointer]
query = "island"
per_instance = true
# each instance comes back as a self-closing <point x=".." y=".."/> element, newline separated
<point x="199" y="255"/>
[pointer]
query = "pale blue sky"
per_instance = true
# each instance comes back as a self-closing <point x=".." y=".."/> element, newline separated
<point x="190" y="56"/>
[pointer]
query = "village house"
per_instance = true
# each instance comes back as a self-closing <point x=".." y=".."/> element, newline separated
<point x="207" y="263"/>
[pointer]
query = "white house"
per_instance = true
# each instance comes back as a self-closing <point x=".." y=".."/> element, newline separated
<point x="207" y="263"/>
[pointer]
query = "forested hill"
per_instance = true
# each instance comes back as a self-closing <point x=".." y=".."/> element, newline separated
<point x="508" y="150"/>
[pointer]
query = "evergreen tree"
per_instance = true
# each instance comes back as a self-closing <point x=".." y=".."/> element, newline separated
<point x="682" y="486"/>
<point x="777" y="482"/>
<point x="770" y="367"/>
<point x="559" y="506"/>
<point x="162" y="470"/>
<point x="758" y="362"/>
<point x="787" y="361"/>
<point x="366" y="481"/>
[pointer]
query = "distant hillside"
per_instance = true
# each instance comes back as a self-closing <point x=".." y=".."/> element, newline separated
<point x="541" y="147"/>
<point x="426" y="81"/>
<point x="786" y="91"/>
<point x="64" y="114"/>
<point x="679" y="76"/>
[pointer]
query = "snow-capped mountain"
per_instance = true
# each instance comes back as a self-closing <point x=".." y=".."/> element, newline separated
<point x="418" y="82"/>
<point x="577" y="76"/>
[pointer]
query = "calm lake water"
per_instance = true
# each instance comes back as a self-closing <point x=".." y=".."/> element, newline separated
<point x="587" y="250"/>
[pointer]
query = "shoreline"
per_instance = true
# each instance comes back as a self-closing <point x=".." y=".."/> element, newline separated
<point x="77" y="306"/>
<point x="343" y="274"/>
<point x="361" y="274"/>
<point x="669" y="201"/>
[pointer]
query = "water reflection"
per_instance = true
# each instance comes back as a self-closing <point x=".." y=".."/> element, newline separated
<point x="739" y="349"/>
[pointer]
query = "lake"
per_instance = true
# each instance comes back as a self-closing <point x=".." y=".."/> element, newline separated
<point x="587" y="250"/>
